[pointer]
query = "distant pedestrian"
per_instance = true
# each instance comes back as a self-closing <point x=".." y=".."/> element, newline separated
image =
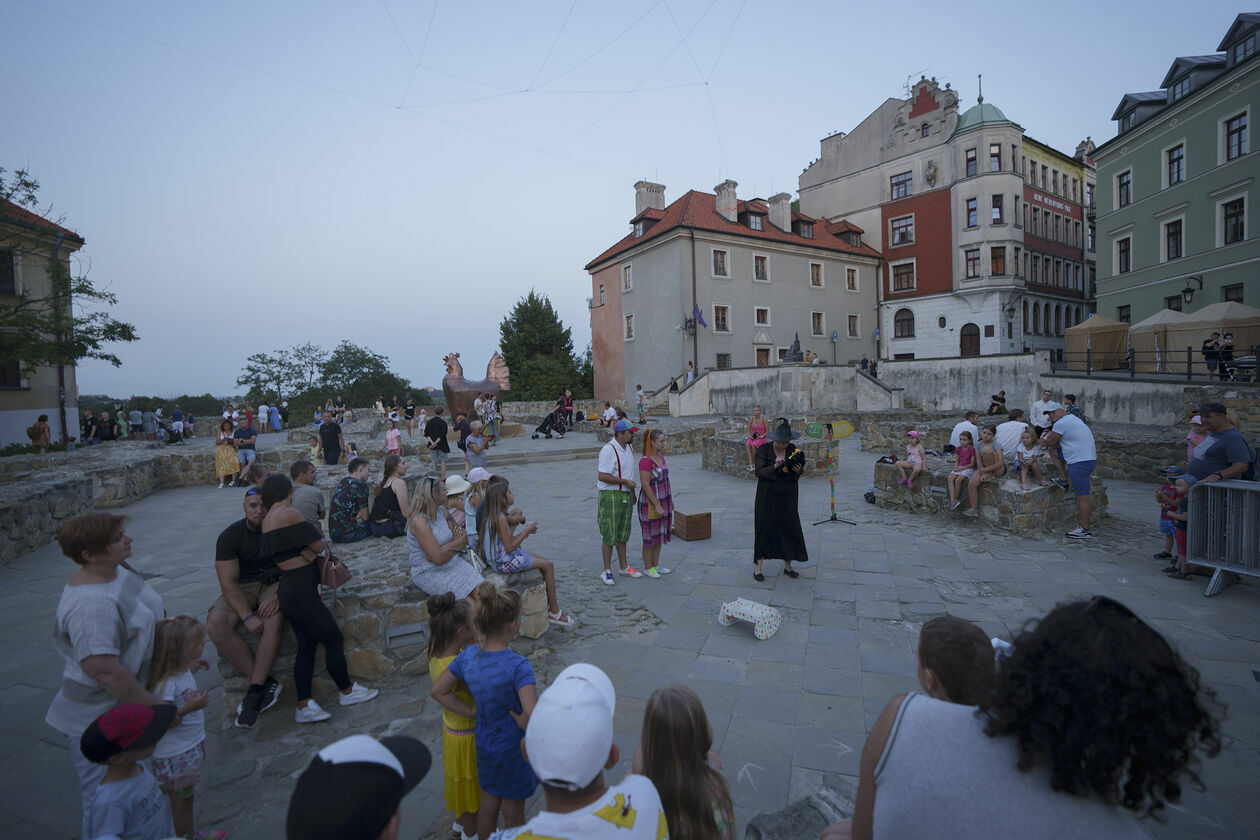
<point x="107" y="429"/>
<point x="135" y="423"/>
<point x="225" y="463"/>
<point x="776" y="518"/>
<point x="348" y="513"/>
<point x="616" y="487"/>
<point x="1212" y="353"/>
<point x="567" y="402"/>
<point x="475" y="446"/>
<point x="1225" y="357"/>
<point x="439" y="447"/>
<point x="331" y="441"/>
<point x="39" y="434"/>
<point x="865" y="363"/>
<point x="640" y="402"/>
<point x="284" y="413"/>
<point x="246" y="438"/>
<point x="691" y="373"/>
<point x="656" y="503"/>
<point x="1075" y="444"/>
<point x="177" y="423"/>
<point x="275" y="418"/>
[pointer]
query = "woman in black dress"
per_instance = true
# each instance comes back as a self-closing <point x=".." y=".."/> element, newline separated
<point x="777" y="524"/>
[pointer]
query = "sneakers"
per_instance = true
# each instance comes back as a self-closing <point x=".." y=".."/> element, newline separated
<point x="663" y="570"/>
<point x="271" y="693"/>
<point x="606" y="578"/>
<point x="1079" y="533"/>
<point x="248" y="709"/>
<point x="312" y="713"/>
<point x="630" y="571"/>
<point x="1060" y="482"/>
<point x="358" y="694"/>
<point x="653" y="573"/>
<point x="954" y="504"/>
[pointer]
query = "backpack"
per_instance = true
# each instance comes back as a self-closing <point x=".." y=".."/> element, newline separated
<point x="33" y="432"/>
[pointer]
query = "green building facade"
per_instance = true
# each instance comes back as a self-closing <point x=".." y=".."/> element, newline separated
<point x="1177" y="187"/>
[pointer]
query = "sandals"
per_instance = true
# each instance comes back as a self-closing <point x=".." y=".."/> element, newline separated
<point x="1169" y="569"/>
<point x="561" y="618"/>
<point x="1175" y="575"/>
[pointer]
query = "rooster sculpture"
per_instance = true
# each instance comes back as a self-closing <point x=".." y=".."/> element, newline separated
<point x="460" y="392"/>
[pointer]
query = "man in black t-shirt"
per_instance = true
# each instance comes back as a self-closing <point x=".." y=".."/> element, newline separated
<point x="246" y="599"/>
<point x="1212" y="353"/>
<point x="331" y="442"/>
<point x="439" y="448"/>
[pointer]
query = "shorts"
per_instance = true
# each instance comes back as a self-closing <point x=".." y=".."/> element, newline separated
<point x="244" y="456"/>
<point x="255" y="593"/>
<point x="437" y="456"/>
<point x="613" y="514"/>
<point x="1079" y="473"/>
<point x="136" y="428"/>
<point x="177" y="425"/>
<point x="1180" y="539"/>
<point x="179" y="774"/>
<point x="514" y="562"/>
<point x="965" y="472"/>
<point x="1167" y="527"/>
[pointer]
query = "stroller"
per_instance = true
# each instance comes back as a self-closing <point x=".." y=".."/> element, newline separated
<point x="553" y="422"/>
<point x="1241" y="369"/>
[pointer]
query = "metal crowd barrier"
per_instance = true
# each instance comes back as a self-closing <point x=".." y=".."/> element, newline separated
<point x="1223" y="531"/>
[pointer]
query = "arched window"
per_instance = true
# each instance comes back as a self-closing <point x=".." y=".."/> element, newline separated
<point x="1025" y="316"/>
<point x="1077" y="320"/>
<point x="1037" y="318"/>
<point x="1045" y="318"/>
<point x="903" y="324"/>
<point x="1058" y="320"/>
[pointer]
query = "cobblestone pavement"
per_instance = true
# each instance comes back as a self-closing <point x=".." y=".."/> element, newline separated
<point x="787" y="712"/>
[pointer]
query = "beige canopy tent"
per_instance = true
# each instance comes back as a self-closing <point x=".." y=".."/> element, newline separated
<point x="1149" y="340"/>
<point x="1243" y="321"/>
<point x="1105" y="340"/>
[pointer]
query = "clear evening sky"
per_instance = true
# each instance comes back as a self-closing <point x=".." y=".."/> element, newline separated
<point x="250" y="175"/>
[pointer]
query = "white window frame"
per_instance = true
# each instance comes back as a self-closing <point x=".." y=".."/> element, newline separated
<point x="823" y="332"/>
<point x="638" y="229"/>
<point x="857" y="277"/>
<point x="757" y="323"/>
<point x="1115" y="188"/>
<point x="730" y="318"/>
<point x="1163" y="163"/>
<point x="848" y="322"/>
<point x="1163" y="236"/>
<point x="892" y="229"/>
<point x="727" y="253"/>
<point x="756" y="221"/>
<point x="765" y="257"/>
<point x="1222" y="139"/>
<point x="1220" y="218"/>
<point x="892" y="275"/>
<point x="627" y="320"/>
<point x="627" y="278"/>
<point x="822" y="275"/>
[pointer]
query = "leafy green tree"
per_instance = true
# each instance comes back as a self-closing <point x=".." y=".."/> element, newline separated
<point x="538" y="349"/>
<point x="360" y="375"/>
<point x="266" y="373"/>
<point x="308" y="362"/>
<point x="57" y="325"/>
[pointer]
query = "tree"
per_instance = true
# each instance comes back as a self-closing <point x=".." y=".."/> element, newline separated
<point x="538" y="349"/>
<point x="263" y="373"/>
<point x="308" y="361"/>
<point x="360" y="375"/>
<point x="56" y="325"/>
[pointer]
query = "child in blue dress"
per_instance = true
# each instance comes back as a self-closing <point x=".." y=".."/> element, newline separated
<point x="502" y="685"/>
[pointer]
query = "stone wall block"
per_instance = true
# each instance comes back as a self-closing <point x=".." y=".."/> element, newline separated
<point x="362" y="628"/>
<point x="368" y="664"/>
<point x="408" y="614"/>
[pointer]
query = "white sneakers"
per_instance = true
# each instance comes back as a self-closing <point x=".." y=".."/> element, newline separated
<point x="606" y="578"/>
<point x="630" y="571"/>
<point x="313" y="713"/>
<point x="656" y="571"/>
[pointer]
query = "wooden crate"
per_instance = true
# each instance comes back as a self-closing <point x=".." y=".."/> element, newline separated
<point x="693" y="526"/>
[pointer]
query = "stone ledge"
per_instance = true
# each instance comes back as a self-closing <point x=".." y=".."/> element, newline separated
<point x="681" y="438"/>
<point x="725" y="454"/>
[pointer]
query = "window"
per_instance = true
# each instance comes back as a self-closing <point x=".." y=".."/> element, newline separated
<point x="627" y="278"/>
<point x="1176" y="164"/>
<point x="719" y="263"/>
<point x="1236" y="136"/>
<point x="1180" y="89"/>
<point x="629" y="336"/>
<point x="1057" y="218"/>
<point x="1124" y="189"/>
<point x="1054" y="180"/>
<point x="1076" y="234"/>
<point x="1172" y="240"/>
<point x="1128" y="121"/>
<point x="721" y="318"/>
<point x="1093" y="232"/>
<point x="903" y="277"/>
<point x="1017" y="265"/>
<point x="1122" y="314"/>
<point x="761" y="316"/>
<point x="1036" y="222"/>
<point x="971" y="213"/>
<point x="923" y="130"/>
<point x="1044" y="170"/>
<point x="1036" y="269"/>
<point x="1058" y="272"/>
<point x="723" y="361"/>
<point x="997" y="209"/>
<point x="997" y="260"/>
<point x="903" y="324"/>
<point x="903" y="230"/>
<point x="8" y="274"/>
<point x="1036" y="324"/>
<point x="754" y="221"/>
<point x="807" y="230"/>
<point x="761" y="268"/>
<point x="816" y="275"/>
<point x="851" y="279"/>
<point x="601" y="294"/>
<point x="1234" y="293"/>
<point x="1245" y="49"/>
<point x="902" y="185"/>
<point x="638" y="229"/>
<point x="817" y="323"/>
<point x="1075" y="188"/>
<point x="1058" y="320"/>
<point x="1122" y="256"/>
<point x="782" y="354"/>
<point x="1173" y="302"/>
<point x="971" y="162"/>
<point x="995" y="157"/>
<point x="1232" y="219"/>
<point x="973" y="263"/>
<point x="1089" y="194"/>
<point x="1015" y="159"/>
<point x="1077" y="279"/>
<point x="854" y="327"/>
<point x="988" y="331"/>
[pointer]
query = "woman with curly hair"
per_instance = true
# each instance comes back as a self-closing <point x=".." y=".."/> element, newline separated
<point x="1093" y="720"/>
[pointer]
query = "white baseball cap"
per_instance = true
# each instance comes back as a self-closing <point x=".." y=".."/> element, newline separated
<point x="570" y="732"/>
<point x="1052" y="407"/>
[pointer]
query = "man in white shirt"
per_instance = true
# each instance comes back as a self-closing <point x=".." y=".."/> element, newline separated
<point x="1075" y="444"/>
<point x="1007" y="434"/>
<point x="1037" y="414"/>
<point x="968" y="425"/>
<point x="608" y="417"/>
<point x="569" y="744"/>
<point x="615" y="484"/>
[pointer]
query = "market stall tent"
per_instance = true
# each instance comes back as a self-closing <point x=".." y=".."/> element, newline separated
<point x="1149" y="340"/>
<point x="1103" y="341"/>
<point x="1229" y="316"/>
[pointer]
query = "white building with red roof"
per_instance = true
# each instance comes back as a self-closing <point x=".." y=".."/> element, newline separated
<point x="723" y="283"/>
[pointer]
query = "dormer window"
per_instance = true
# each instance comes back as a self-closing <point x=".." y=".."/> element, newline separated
<point x="1180" y="89"/>
<point x="638" y="229"/>
<point x="1128" y="121"/>
<point x="854" y="239"/>
<point x="754" y="222"/>
<point x="1245" y="49"/>
<point x="807" y="230"/>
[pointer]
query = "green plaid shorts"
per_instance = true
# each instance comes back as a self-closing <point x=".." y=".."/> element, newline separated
<point x="613" y="513"/>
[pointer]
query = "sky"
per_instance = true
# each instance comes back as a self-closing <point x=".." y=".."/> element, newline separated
<point x="398" y="173"/>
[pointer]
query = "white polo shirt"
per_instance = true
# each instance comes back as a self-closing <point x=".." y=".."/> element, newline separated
<point x="619" y="461"/>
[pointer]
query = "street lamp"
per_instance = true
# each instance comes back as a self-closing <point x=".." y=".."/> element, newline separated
<point x="1010" y="311"/>
<point x="1187" y="294"/>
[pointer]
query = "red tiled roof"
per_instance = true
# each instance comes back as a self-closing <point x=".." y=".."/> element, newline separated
<point x="844" y="226"/>
<point x="695" y="209"/>
<point x="649" y="213"/>
<point x="10" y="212"/>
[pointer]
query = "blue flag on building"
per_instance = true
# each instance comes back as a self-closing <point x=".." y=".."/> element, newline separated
<point x="695" y="310"/>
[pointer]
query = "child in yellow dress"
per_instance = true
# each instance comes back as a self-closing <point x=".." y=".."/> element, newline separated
<point x="450" y="631"/>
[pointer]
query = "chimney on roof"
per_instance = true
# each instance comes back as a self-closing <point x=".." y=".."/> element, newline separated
<point x="648" y="196"/>
<point x="727" y="205"/>
<point x="781" y="211"/>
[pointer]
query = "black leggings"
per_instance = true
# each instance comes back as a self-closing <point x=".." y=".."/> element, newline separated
<point x="314" y="625"/>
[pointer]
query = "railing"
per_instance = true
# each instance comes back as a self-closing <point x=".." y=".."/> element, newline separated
<point x="1183" y="364"/>
<point x="1223" y="531"/>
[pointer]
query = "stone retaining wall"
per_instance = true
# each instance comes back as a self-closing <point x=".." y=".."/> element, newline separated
<point x="725" y="454"/>
<point x="681" y="438"/>
<point x="31" y="513"/>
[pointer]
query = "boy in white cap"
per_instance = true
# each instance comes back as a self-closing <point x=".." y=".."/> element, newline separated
<point x="569" y="744"/>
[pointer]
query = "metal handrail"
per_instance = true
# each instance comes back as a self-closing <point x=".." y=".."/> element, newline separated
<point x="1185" y="364"/>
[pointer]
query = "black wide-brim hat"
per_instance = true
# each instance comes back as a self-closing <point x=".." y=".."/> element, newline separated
<point x="783" y="432"/>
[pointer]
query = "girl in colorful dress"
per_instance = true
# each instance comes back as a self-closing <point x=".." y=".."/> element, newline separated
<point x="450" y="631"/>
<point x="963" y="469"/>
<point x="225" y="464"/>
<point x="178" y="757"/>
<point x="756" y="435"/>
<point x="504" y="691"/>
<point x="1027" y="455"/>
<point x="656" y="503"/>
<point x="501" y="547"/>
<point x="915" y="458"/>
